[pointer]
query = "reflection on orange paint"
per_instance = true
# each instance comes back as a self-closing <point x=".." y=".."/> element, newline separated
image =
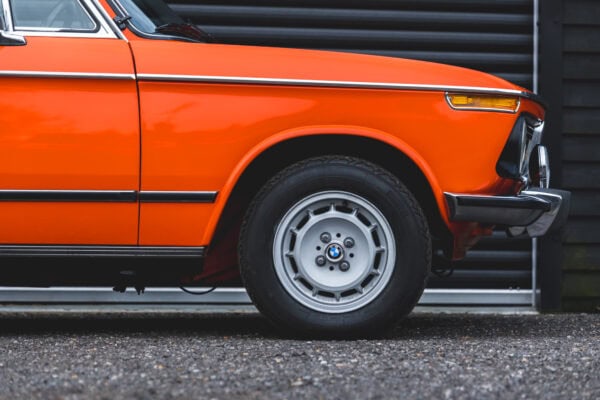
<point x="173" y="224"/>
<point x="67" y="223"/>
<point x="75" y="134"/>
<point x="68" y="134"/>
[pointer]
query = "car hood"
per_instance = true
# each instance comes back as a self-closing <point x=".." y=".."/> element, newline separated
<point x="218" y="60"/>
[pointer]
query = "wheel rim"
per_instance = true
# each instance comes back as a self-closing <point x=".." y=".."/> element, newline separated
<point x="334" y="252"/>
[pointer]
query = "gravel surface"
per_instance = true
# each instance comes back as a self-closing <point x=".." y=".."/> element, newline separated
<point x="239" y="356"/>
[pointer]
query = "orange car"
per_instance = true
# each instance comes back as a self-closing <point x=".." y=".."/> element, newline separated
<point x="129" y="141"/>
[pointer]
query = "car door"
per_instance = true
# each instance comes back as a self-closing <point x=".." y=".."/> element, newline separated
<point x="69" y="130"/>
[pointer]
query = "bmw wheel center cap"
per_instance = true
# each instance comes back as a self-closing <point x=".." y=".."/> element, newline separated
<point x="334" y="252"/>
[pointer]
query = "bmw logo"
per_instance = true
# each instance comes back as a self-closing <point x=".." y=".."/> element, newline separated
<point x="334" y="252"/>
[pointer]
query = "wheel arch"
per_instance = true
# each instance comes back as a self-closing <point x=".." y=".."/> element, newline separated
<point x="276" y="153"/>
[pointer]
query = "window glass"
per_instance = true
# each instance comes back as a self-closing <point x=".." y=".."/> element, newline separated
<point x="51" y="15"/>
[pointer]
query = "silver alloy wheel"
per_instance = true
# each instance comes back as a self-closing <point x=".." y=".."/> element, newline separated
<point x="334" y="252"/>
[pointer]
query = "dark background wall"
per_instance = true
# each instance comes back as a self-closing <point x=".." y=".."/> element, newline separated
<point x="581" y="152"/>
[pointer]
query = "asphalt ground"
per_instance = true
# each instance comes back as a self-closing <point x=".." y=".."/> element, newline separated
<point x="239" y="356"/>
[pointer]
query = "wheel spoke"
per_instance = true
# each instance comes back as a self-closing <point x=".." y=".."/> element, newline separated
<point x="348" y="218"/>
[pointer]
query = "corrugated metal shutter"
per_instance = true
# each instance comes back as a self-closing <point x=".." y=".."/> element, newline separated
<point x="495" y="36"/>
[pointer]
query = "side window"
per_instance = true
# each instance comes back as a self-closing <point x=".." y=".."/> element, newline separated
<point x="51" y="16"/>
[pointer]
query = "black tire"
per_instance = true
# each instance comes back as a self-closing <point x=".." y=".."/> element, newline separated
<point x="358" y="191"/>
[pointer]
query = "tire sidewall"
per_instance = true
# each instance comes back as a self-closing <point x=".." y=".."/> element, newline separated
<point x="389" y="196"/>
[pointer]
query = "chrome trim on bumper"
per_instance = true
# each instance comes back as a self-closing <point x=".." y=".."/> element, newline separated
<point x="532" y="212"/>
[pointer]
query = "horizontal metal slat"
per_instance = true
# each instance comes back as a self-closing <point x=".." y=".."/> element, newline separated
<point x="355" y="18"/>
<point x="581" y="230"/>
<point x="322" y="37"/>
<point x="581" y="147"/>
<point x="521" y="61"/>
<point x="507" y="256"/>
<point x="511" y="6"/>
<point x="581" y="175"/>
<point x="581" y="120"/>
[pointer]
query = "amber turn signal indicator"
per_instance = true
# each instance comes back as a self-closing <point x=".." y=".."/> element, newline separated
<point x="482" y="102"/>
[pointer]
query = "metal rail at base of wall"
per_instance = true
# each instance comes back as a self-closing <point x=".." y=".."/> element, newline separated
<point x="233" y="296"/>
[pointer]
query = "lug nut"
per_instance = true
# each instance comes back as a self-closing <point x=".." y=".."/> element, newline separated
<point x="344" y="266"/>
<point x="320" y="261"/>
<point x="325" y="237"/>
<point x="349" y="242"/>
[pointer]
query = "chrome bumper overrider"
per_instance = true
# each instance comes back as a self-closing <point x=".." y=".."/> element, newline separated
<point x="533" y="212"/>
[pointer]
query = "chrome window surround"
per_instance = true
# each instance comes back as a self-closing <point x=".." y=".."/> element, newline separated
<point x="7" y="15"/>
<point x="106" y="30"/>
<point x="83" y="6"/>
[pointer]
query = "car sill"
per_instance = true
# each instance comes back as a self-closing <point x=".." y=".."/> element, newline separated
<point x="101" y="251"/>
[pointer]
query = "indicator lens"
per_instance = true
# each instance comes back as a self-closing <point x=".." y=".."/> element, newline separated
<point x="462" y="101"/>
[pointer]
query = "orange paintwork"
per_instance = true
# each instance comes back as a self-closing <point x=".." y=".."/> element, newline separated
<point x="192" y="142"/>
<point x="68" y="134"/>
<point x="84" y="133"/>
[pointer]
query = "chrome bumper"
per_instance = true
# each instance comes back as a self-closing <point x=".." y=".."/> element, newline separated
<point x="533" y="212"/>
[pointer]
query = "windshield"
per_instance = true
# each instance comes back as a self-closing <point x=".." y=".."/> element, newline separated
<point x="154" y="17"/>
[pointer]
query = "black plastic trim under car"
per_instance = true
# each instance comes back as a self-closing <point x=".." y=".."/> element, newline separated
<point x="119" y="196"/>
<point x="528" y="203"/>
<point x="535" y="211"/>
<point x="101" y="251"/>
<point x="177" y="197"/>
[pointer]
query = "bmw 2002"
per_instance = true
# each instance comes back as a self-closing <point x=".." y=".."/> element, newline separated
<point x="135" y="150"/>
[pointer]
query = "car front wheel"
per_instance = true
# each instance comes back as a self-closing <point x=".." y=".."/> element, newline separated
<point x="334" y="246"/>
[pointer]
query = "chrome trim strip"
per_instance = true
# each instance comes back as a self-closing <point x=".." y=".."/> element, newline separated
<point x="109" y="21"/>
<point x="325" y="83"/>
<point x="69" y="34"/>
<point x="13" y="39"/>
<point x="100" y="251"/>
<point x="103" y="31"/>
<point x="148" y="196"/>
<point x="66" y="75"/>
<point x="120" y="196"/>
